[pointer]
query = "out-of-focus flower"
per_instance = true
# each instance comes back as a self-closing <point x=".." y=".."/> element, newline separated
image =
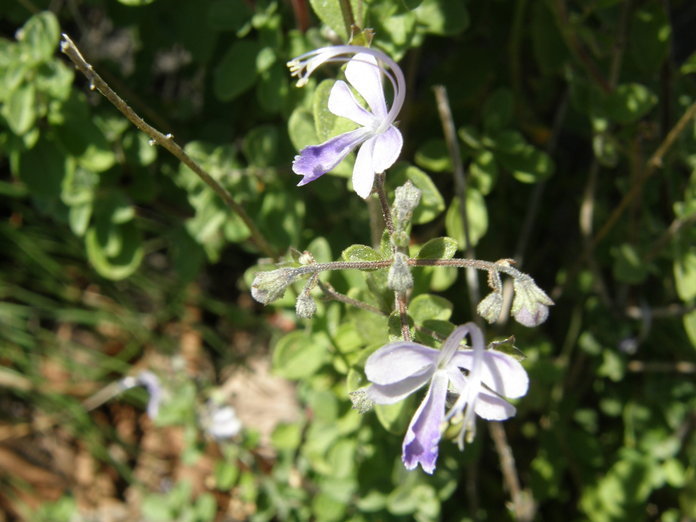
<point x="152" y="384"/>
<point x="221" y="421"/>
<point x="400" y="368"/>
<point x="379" y="141"/>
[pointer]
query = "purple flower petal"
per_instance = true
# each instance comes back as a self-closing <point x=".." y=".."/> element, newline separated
<point x="397" y="361"/>
<point x="420" y="444"/>
<point x="387" y="149"/>
<point x="316" y="160"/>
<point x="343" y="103"/>
<point x="364" y="74"/>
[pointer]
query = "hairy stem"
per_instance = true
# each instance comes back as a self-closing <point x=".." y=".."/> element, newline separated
<point x="165" y="141"/>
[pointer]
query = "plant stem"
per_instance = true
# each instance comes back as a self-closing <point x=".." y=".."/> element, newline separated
<point x="165" y="141"/>
<point x="448" y="129"/>
<point x="348" y="17"/>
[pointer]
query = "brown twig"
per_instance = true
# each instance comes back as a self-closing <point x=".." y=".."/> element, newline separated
<point x="165" y="141"/>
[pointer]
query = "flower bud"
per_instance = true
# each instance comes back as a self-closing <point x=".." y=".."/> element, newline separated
<point x="490" y="306"/>
<point x="305" y="307"/>
<point x="530" y="306"/>
<point x="399" y="277"/>
<point x="271" y="285"/>
<point x="406" y="199"/>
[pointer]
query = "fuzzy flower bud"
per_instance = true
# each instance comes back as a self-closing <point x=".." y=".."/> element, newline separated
<point x="305" y="307"/>
<point x="406" y="199"/>
<point x="399" y="277"/>
<point x="530" y="306"/>
<point x="490" y="306"/>
<point x="271" y="285"/>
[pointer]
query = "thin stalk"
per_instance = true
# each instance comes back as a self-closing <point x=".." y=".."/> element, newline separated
<point x="450" y="134"/>
<point x="165" y="141"/>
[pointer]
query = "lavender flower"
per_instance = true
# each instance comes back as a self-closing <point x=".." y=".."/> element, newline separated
<point x="378" y="141"/>
<point x="400" y="368"/>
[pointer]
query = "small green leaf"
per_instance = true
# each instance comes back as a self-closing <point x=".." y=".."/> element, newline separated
<point x="629" y="102"/>
<point x="360" y="254"/>
<point x="329" y="12"/>
<point x="484" y="171"/>
<point x="43" y="168"/>
<point x="477" y="215"/>
<point x="326" y="123"/>
<point x="301" y="128"/>
<point x="442" y="17"/>
<point x="395" y="417"/>
<point x="115" y="251"/>
<point x="685" y="274"/>
<point x="628" y="266"/>
<point x="39" y="36"/>
<point x="433" y="155"/>
<point x="432" y="204"/>
<point x="426" y="307"/>
<point x="438" y="248"/>
<point x="298" y="355"/>
<point x="530" y="165"/>
<point x="260" y="145"/>
<point x="19" y="109"/>
<point x="236" y="72"/>
<point x="497" y="111"/>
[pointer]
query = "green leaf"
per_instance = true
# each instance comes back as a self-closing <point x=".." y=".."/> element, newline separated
<point x="79" y="216"/>
<point x="442" y="17"/>
<point x="114" y="250"/>
<point x="498" y="109"/>
<point x="427" y="307"/>
<point x="685" y="274"/>
<point x="329" y="12"/>
<point x="484" y="171"/>
<point x="286" y="436"/>
<point x="136" y="3"/>
<point x="530" y="165"/>
<point x="477" y="215"/>
<point x="78" y="186"/>
<point x="224" y="15"/>
<point x="260" y="146"/>
<point x="628" y="265"/>
<point x="39" y="36"/>
<point x="326" y="123"/>
<point x="273" y="90"/>
<point x="19" y="109"/>
<point x="433" y="155"/>
<point x="360" y="254"/>
<point x="629" y="102"/>
<point x="438" y="248"/>
<point x="43" y="168"/>
<point x="649" y="37"/>
<point x="236" y="72"/>
<point x="395" y="417"/>
<point x="432" y="203"/>
<point x="301" y="128"/>
<point x="298" y="355"/>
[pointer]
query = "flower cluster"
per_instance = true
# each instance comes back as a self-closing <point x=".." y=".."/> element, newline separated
<point x="479" y="377"/>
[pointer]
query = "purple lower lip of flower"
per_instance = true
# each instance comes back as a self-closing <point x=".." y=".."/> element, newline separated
<point x="420" y="445"/>
<point x="316" y="160"/>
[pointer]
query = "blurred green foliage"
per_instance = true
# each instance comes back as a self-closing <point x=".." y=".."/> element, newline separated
<point x="559" y="107"/>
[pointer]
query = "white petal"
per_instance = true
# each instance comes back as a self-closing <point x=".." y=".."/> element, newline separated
<point x="363" y="171"/>
<point x="364" y="74"/>
<point x="343" y="103"/>
<point x="491" y="407"/>
<point x="499" y="371"/>
<point x="397" y="361"/>
<point x="387" y="149"/>
<point x="395" y="392"/>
